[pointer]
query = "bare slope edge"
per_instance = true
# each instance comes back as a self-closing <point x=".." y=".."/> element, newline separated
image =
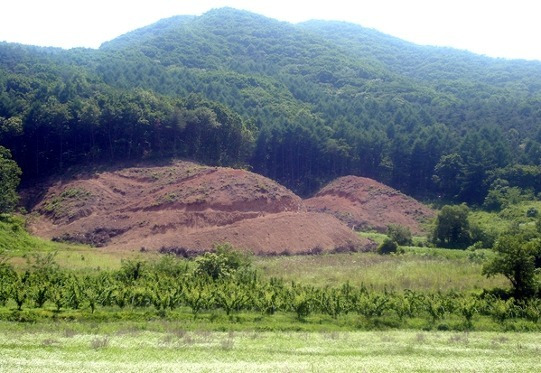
<point x="364" y="203"/>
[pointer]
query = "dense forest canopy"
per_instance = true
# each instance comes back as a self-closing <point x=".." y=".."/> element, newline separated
<point x="302" y="104"/>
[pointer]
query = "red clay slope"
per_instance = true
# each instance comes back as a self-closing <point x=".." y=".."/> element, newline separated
<point x="185" y="205"/>
<point x="282" y="233"/>
<point x="364" y="203"/>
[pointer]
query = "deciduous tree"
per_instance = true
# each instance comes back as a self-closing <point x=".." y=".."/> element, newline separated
<point x="517" y="261"/>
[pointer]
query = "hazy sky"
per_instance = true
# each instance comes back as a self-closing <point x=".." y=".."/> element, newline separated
<point x="497" y="28"/>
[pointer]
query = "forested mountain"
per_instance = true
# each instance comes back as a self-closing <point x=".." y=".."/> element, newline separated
<point x="301" y="104"/>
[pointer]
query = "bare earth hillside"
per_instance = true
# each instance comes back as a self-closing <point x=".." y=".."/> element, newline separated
<point x="364" y="203"/>
<point x="185" y="205"/>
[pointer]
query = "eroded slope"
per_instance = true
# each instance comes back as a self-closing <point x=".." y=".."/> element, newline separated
<point x="185" y="205"/>
<point x="364" y="203"/>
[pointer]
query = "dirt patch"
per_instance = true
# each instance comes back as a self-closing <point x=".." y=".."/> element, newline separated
<point x="184" y="205"/>
<point x="364" y="203"/>
<point x="282" y="233"/>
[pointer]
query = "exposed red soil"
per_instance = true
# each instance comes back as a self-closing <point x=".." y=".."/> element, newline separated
<point x="282" y="233"/>
<point x="185" y="205"/>
<point x="364" y="203"/>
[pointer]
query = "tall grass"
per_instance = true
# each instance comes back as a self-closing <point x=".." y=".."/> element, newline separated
<point x="421" y="269"/>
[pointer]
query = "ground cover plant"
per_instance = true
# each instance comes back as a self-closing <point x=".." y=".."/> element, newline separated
<point x="165" y="346"/>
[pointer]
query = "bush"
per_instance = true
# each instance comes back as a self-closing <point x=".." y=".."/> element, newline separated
<point x="480" y="236"/>
<point x="399" y="234"/>
<point x="502" y="196"/>
<point x="222" y="263"/>
<point x="387" y="247"/>
<point x="532" y="212"/>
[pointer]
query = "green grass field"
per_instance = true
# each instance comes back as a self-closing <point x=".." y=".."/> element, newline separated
<point x="419" y="269"/>
<point x="164" y="347"/>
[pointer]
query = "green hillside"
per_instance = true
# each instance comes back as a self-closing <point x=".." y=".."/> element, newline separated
<point x="301" y="104"/>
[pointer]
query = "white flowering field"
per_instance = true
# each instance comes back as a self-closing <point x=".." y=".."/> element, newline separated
<point x="169" y="348"/>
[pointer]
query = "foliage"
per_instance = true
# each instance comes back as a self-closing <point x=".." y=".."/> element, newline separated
<point x="452" y="227"/>
<point x="10" y="175"/>
<point x="388" y="246"/>
<point x="400" y="234"/>
<point x="47" y="291"/>
<point x="301" y="104"/>
<point x="485" y="237"/>
<point x="224" y="262"/>
<point x="517" y="260"/>
<point x="502" y="196"/>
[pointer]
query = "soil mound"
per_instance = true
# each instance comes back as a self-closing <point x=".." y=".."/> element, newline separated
<point x="182" y="204"/>
<point x="364" y="203"/>
<point x="276" y="234"/>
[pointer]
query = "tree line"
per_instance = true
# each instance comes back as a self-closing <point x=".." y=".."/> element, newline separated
<point x="52" y="122"/>
<point x="301" y="105"/>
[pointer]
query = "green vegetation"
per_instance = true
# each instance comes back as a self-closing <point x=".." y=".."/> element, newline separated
<point x="517" y="259"/>
<point x="14" y="239"/>
<point x="452" y="228"/>
<point x="230" y="292"/>
<point x="400" y="234"/>
<point x="156" y="346"/>
<point x="301" y="104"/>
<point x="421" y="269"/>
<point x="10" y="175"/>
<point x="389" y="246"/>
<point x="222" y="263"/>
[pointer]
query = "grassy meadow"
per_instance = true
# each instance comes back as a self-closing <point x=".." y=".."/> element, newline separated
<point x="419" y="268"/>
<point x="163" y="347"/>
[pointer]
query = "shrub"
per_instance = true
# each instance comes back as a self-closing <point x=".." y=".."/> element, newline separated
<point x="502" y="196"/>
<point x="387" y="247"/>
<point x="483" y="237"/>
<point x="222" y="263"/>
<point x="132" y="270"/>
<point x="532" y="212"/>
<point x="400" y="234"/>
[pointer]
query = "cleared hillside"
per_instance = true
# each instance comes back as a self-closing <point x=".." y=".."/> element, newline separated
<point x="366" y="204"/>
<point x="185" y="206"/>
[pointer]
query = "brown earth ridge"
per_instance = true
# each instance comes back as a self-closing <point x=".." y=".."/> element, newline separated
<point x="185" y="207"/>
